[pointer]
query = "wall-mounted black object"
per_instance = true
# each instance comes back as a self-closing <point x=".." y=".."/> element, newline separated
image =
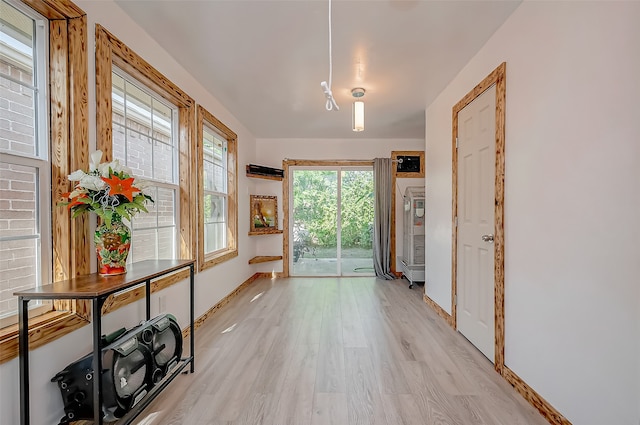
<point x="408" y="164"/>
<point x="133" y="362"/>
<point x="264" y="171"/>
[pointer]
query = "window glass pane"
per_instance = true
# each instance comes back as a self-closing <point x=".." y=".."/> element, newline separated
<point x="218" y="152"/>
<point x="166" y="245"/>
<point x="17" y="82"/>
<point x="215" y="161"/>
<point x="144" y="139"/>
<point x="24" y="226"/>
<point x="166" y="206"/>
<point x="117" y="98"/>
<point x="152" y="244"/>
<point x="208" y="171"/>
<point x="137" y="109"/>
<point x="215" y="237"/>
<point x="18" y="200"/>
<point x="162" y="119"/>
<point x="119" y="141"/>
<point x="17" y="271"/>
<point x="162" y="162"/>
<point x="215" y="215"/>
<point x="214" y="208"/>
<point x="219" y="179"/>
<point x="17" y="34"/>
<point x="139" y="154"/>
<point x="143" y="245"/>
<point x="17" y="114"/>
<point x="150" y="219"/>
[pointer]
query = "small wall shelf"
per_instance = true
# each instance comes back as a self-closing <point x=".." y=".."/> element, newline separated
<point x="266" y="232"/>
<point x="260" y="176"/>
<point x="262" y="172"/>
<point x="265" y="259"/>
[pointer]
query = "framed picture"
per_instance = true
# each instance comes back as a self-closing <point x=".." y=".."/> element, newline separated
<point x="264" y="214"/>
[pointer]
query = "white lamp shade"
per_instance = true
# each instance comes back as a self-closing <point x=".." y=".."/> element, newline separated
<point x="358" y="115"/>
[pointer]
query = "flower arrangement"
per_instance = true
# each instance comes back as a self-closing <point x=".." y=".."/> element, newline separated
<point x="108" y="190"/>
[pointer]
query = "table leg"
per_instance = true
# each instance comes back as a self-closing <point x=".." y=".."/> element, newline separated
<point x="192" y="315"/>
<point x="97" y="360"/>
<point x="23" y="343"/>
<point x="148" y="298"/>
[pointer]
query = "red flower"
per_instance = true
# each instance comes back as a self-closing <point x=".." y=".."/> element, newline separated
<point x="118" y="186"/>
<point x="74" y="201"/>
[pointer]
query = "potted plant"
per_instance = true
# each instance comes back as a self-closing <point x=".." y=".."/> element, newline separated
<point x="111" y="192"/>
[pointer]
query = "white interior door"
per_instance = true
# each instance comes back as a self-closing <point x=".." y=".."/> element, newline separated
<point x="476" y="203"/>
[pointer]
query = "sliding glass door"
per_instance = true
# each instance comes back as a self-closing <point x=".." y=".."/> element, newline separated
<point x="332" y="221"/>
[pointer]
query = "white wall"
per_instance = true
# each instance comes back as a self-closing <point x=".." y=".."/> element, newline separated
<point x="571" y="204"/>
<point x="211" y="285"/>
<point x="271" y="152"/>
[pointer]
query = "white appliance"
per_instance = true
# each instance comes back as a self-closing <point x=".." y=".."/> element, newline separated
<point x="413" y="252"/>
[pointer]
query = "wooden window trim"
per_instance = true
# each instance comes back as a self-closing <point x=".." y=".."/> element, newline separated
<point x="206" y="261"/>
<point x="69" y="128"/>
<point x="110" y="52"/>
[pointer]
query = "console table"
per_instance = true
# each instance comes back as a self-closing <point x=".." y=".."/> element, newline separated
<point x="97" y="288"/>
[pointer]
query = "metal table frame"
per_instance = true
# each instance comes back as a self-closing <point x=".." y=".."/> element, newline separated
<point x="97" y="289"/>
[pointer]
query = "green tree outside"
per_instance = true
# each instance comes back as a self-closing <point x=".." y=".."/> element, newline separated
<point x="315" y="208"/>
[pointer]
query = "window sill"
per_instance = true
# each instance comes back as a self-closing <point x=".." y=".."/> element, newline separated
<point x="215" y="259"/>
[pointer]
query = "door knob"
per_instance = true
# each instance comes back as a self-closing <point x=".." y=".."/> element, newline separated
<point x="487" y="238"/>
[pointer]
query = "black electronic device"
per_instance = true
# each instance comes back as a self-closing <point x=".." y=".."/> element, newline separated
<point x="261" y="170"/>
<point x="408" y="164"/>
<point x="133" y="362"/>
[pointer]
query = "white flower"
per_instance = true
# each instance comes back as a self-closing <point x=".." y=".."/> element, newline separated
<point x="141" y="184"/>
<point x="103" y="169"/>
<point x="94" y="160"/>
<point x="76" y="176"/>
<point x="75" y="193"/>
<point x="119" y="168"/>
<point x="92" y="183"/>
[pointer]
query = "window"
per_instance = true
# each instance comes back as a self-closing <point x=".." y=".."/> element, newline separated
<point x="147" y="122"/>
<point x="218" y="218"/>
<point x="24" y="159"/>
<point x="145" y="140"/>
<point x="43" y="136"/>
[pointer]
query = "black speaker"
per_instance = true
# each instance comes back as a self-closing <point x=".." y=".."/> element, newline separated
<point x="165" y="346"/>
<point x="133" y="361"/>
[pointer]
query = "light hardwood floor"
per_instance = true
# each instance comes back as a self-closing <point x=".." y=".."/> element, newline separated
<point x="349" y="351"/>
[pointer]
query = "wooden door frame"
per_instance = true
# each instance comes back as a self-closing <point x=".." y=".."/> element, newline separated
<point x="497" y="77"/>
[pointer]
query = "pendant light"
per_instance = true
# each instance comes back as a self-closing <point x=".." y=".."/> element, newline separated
<point x="358" y="109"/>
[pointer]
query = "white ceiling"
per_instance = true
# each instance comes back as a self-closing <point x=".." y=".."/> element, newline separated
<point x="264" y="60"/>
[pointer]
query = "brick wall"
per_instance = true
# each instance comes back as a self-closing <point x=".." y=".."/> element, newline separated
<point x="18" y="188"/>
<point x="149" y="155"/>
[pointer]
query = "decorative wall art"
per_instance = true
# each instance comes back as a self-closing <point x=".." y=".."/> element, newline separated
<point x="264" y="214"/>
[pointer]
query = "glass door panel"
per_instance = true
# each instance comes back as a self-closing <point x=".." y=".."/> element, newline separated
<point x="356" y="222"/>
<point x="332" y="222"/>
<point x="315" y="223"/>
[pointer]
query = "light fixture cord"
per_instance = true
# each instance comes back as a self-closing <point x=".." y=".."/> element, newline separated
<point x="331" y="102"/>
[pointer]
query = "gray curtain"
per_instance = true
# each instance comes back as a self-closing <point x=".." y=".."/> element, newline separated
<point x="382" y="218"/>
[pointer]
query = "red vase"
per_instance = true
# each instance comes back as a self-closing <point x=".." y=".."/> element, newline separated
<point x="112" y="246"/>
